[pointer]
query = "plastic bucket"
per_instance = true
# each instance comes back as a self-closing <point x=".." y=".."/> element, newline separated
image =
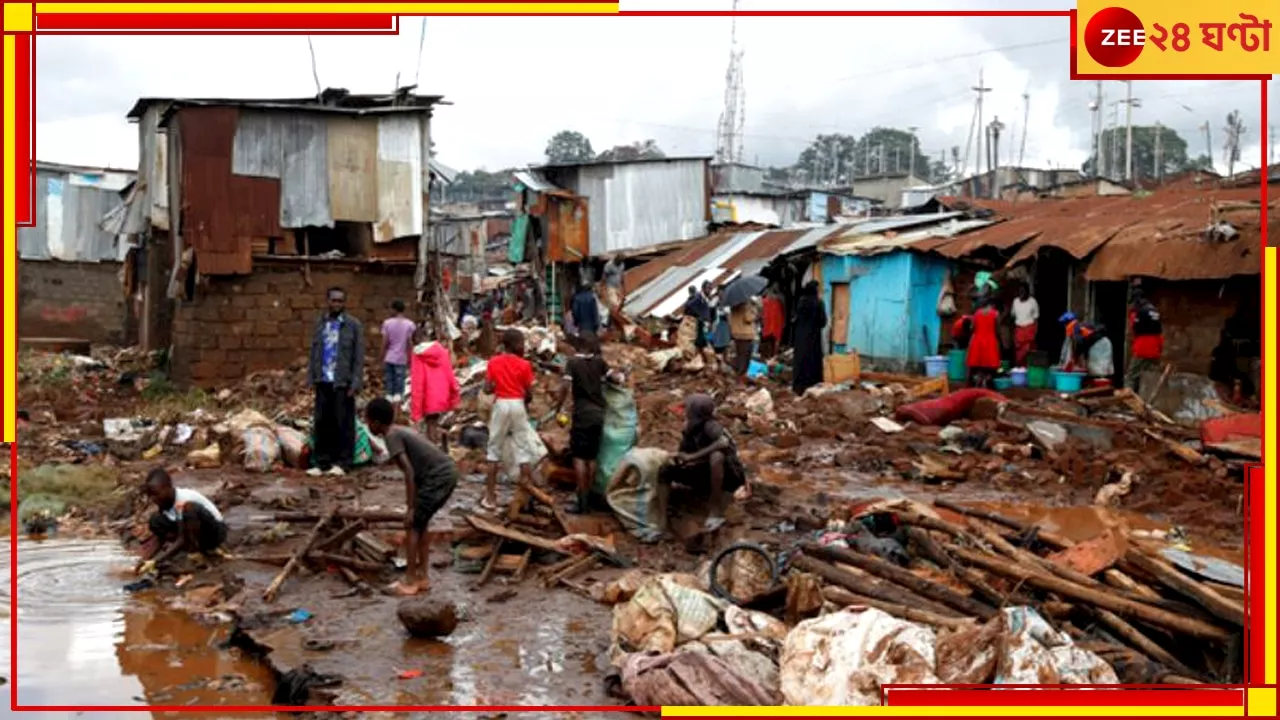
<point x="935" y="366"/>
<point x="1068" y="382"/>
<point x="956" y="367"/>
<point x="1037" y="377"/>
<point x="1002" y="383"/>
<point x="1018" y="376"/>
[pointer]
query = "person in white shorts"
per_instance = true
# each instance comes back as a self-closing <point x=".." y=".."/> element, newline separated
<point x="510" y="378"/>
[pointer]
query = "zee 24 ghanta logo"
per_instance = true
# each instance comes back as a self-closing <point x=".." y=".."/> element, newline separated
<point x="1115" y="37"/>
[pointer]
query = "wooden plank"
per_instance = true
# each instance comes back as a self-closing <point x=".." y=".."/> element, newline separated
<point x="493" y="528"/>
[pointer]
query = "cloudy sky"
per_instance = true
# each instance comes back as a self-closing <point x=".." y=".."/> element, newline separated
<point x="514" y="82"/>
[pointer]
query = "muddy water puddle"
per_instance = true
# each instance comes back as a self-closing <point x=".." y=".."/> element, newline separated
<point x="83" y="641"/>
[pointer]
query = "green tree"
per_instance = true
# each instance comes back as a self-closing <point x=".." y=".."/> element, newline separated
<point x="827" y="160"/>
<point x="889" y="150"/>
<point x="838" y="158"/>
<point x="569" y="146"/>
<point x="1146" y="165"/>
<point x="643" y="150"/>
<point x="476" y="185"/>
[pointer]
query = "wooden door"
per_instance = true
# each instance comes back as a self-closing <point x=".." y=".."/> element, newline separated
<point x="839" y="313"/>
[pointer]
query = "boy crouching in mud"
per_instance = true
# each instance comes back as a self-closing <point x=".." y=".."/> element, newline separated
<point x="184" y="519"/>
<point x="430" y="478"/>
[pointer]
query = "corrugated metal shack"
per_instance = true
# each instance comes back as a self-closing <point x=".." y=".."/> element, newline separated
<point x="71" y="201"/>
<point x="69" y="263"/>
<point x="229" y="183"/>
<point x="639" y="203"/>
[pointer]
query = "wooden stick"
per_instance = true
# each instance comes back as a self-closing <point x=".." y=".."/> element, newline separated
<point x="356" y="581"/>
<point x="568" y="570"/>
<point x="870" y="586"/>
<point x="1141" y="642"/>
<point x="842" y="596"/>
<point x="1186" y="453"/>
<point x="1170" y="576"/>
<point x="488" y="566"/>
<point x="906" y="578"/>
<point x="322" y="557"/>
<point x="274" y="587"/>
<point x="973" y="579"/>
<point x="1104" y="599"/>
<point x="336" y="540"/>
<point x="524" y="564"/>
<point x="371" y="516"/>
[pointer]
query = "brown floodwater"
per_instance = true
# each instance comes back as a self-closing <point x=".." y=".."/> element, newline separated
<point x="83" y="641"/>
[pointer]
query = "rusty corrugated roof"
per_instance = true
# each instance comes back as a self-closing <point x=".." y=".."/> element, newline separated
<point x="1172" y="247"/>
<point x="1083" y="226"/>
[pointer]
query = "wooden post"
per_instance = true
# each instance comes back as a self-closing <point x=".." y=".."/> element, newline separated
<point x="274" y="588"/>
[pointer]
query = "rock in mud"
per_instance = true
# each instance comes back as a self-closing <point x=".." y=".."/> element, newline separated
<point x="427" y="618"/>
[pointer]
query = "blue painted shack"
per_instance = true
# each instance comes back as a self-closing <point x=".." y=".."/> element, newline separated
<point x="881" y="290"/>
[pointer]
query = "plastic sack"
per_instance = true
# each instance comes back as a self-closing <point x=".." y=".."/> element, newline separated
<point x="636" y="496"/>
<point x="261" y="449"/>
<point x="293" y="445"/>
<point x="844" y="658"/>
<point x="945" y="409"/>
<point x="621" y="429"/>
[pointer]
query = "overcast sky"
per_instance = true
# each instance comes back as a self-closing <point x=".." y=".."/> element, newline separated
<point x="514" y="82"/>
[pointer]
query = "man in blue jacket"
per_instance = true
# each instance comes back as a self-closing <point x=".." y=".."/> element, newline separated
<point x="336" y="370"/>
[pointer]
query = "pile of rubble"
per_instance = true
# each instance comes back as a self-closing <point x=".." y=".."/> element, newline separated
<point x="907" y="593"/>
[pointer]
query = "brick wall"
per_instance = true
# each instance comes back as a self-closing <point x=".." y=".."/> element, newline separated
<point x="263" y="321"/>
<point x="72" y="300"/>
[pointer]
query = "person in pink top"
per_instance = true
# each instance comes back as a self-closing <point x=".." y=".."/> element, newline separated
<point x="434" y="388"/>
<point x="397" y="335"/>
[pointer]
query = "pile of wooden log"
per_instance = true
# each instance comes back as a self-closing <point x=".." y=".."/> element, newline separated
<point x="531" y="528"/>
<point x="339" y="538"/>
<point x="1127" y="602"/>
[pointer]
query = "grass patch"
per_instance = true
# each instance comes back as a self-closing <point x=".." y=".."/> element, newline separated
<point x="167" y="401"/>
<point x="58" y="488"/>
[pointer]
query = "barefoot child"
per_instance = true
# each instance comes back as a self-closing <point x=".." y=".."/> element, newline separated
<point x="185" y="520"/>
<point x="429" y="480"/>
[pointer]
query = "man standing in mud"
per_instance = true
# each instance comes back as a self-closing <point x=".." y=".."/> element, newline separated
<point x="336" y="371"/>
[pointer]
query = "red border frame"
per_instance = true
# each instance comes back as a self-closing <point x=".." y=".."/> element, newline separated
<point x="240" y="24"/>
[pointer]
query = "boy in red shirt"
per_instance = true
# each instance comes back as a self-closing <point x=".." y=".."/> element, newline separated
<point x="510" y="378"/>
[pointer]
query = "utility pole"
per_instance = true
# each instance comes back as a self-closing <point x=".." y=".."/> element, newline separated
<point x="1026" y="118"/>
<point x="880" y="157"/>
<point x="993" y="162"/>
<point x="1158" y="170"/>
<point x="911" y="164"/>
<point x="1129" y="103"/>
<point x="1096" y="109"/>
<point x="1113" y="166"/>
<point x="981" y="89"/>
<point x="1208" y="142"/>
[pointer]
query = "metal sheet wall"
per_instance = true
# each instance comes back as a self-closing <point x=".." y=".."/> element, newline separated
<point x="222" y="212"/>
<point x="258" y="148"/>
<point x="69" y="208"/>
<point x="353" y="169"/>
<point x="643" y="204"/>
<point x="399" y="178"/>
<point x="304" y="177"/>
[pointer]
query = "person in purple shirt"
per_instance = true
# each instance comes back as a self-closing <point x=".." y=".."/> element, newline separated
<point x="397" y="336"/>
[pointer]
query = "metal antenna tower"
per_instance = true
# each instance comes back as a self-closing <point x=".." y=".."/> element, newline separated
<point x="729" y="131"/>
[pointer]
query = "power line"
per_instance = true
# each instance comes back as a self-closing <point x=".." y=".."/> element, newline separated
<point x="315" y="74"/>
<point x="422" y="39"/>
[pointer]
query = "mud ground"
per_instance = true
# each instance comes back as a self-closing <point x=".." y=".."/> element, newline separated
<point x="814" y="459"/>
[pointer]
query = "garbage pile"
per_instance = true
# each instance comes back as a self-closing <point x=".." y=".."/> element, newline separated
<point x="903" y="592"/>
